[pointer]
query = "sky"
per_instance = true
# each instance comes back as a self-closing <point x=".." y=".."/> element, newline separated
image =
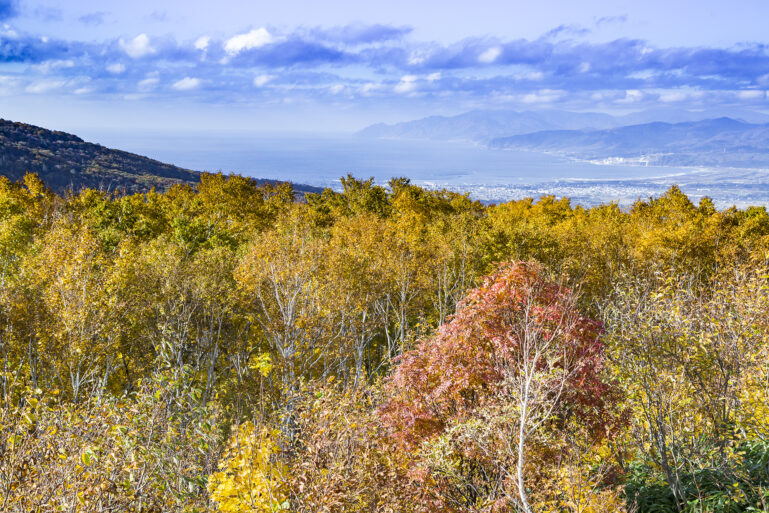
<point x="339" y="65"/>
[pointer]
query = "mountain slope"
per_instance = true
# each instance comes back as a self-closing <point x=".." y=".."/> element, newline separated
<point x="64" y="161"/>
<point x="678" y="115"/>
<point x="482" y="125"/>
<point x="712" y="142"/>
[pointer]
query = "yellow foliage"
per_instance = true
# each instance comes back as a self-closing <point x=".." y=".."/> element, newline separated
<point x="251" y="479"/>
<point x="574" y="488"/>
<point x="262" y="364"/>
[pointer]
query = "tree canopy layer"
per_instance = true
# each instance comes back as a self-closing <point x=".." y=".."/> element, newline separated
<point x="222" y="347"/>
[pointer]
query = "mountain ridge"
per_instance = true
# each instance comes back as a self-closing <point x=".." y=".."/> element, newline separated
<point x="66" y="162"/>
<point x="482" y="125"/>
<point x="721" y="141"/>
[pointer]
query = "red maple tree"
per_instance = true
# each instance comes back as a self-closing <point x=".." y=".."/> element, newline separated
<point x="518" y="343"/>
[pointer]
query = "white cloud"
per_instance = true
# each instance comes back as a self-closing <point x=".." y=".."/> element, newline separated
<point x="48" y="66"/>
<point x="751" y="94"/>
<point x="202" y="43"/>
<point x="543" y="96"/>
<point x="367" y="89"/>
<point x="672" y="97"/>
<point x="490" y="55"/>
<point x="432" y="77"/>
<point x="418" y="57"/>
<point x="600" y="96"/>
<point x="644" y="74"/>
<point x="533" y="75"/>
<point x="336" y="89"/>
<point x="407" y="84"/>
<point x="148" y="84"/>
<point x="254" y="39"/>
<point x="632" y="96"/>
<point x="186" y="84"/>
<point x="584" y="67"/>
<point x="8" y="32"/>
<point x="137" y="47"/>
<point x="82" y="90"/>
<point x="46" y="86"/>
<point x="116" y="68"/>
<point x="261" y="80"/>
<point x="9" y="84"/>
<point x="680" y="95"/>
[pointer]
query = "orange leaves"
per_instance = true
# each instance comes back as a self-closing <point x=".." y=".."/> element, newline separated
<point x="484" y="399"/>
<point x="463" y="365"/>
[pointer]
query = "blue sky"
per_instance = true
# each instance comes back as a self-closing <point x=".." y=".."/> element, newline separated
<point x="339" y="65"/>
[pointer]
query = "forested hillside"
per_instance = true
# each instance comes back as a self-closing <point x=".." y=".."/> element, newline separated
<point x="64" y="162"/>
<point x="221" y="347"/>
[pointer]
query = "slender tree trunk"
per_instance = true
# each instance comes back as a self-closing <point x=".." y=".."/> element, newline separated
<point x="520" y="466"/>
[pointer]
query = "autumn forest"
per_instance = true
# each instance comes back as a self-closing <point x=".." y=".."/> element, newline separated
<point x="234" y="347"/>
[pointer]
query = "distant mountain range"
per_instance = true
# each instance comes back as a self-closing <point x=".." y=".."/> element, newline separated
<point x="654" y="137"/>
<point x="66" y="162"/>
<point x="483" y="125"/>
<point x="721" y="142"/>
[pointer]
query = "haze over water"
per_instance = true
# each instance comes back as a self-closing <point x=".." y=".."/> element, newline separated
<point x="321" y="160"/>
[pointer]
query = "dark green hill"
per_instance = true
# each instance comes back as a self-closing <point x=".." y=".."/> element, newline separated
<point x="66" y="162"/>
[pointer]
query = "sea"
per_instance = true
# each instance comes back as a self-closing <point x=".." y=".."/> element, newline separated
<point x="490" y="175"/>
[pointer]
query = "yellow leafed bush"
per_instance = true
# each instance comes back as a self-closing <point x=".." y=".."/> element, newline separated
<point x="250" y="477"/>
